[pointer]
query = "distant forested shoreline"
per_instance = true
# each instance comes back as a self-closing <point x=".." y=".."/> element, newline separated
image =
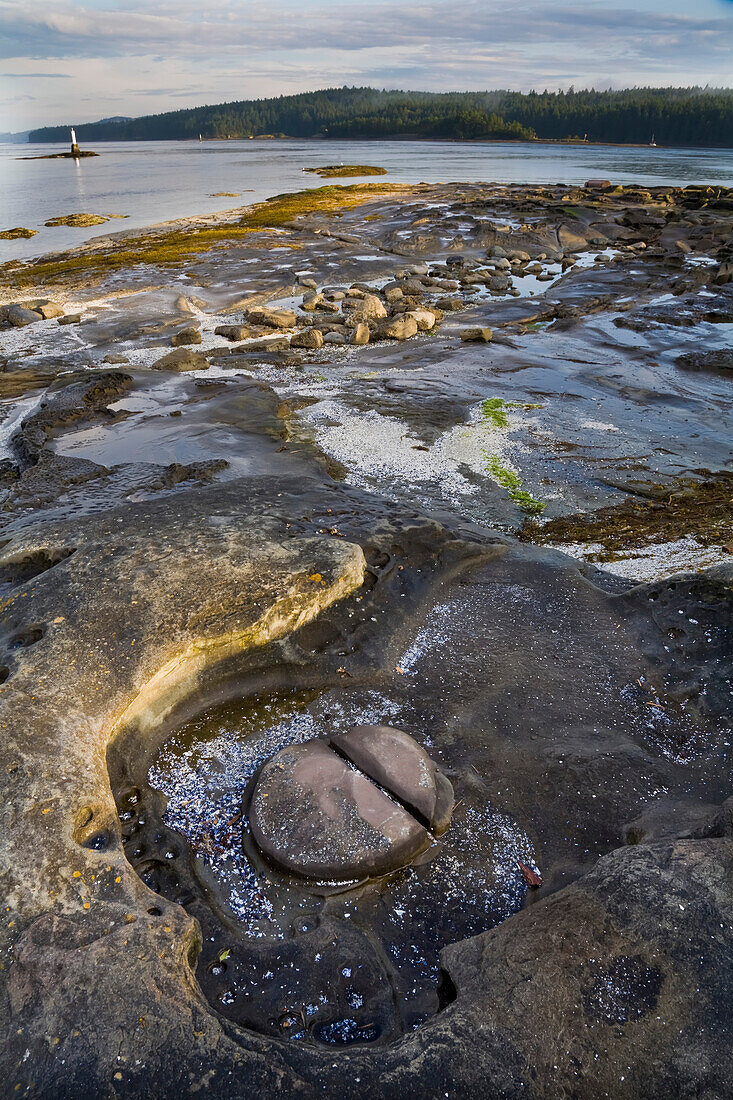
<point x="670" y="116"/>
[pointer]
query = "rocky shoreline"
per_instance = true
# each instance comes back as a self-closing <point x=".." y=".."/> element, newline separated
<point x="312" y="464"/>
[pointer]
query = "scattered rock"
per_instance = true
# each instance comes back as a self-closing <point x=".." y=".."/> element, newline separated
<point x="361" y="334"/>
<point x="277" y="343"/>
<point x="477" y="335"/>
<point x="312" y="302"/>
<point x="18" y="315"/>
<point x="393" y="293"/>
<point x="399" y="328"/>
<point x="329" y="171"/>
<point x="232" y="332"/>
<point x="182" y="359"/>
<point x="724" y="274"/>
<point x="368" y="308"/>
<point x="17" y="233"/>
<point x="186" y="336"/>
<point x="272" y="318"/>
<point x="78" y="221"/>
<point x="423" y="318"/>
<point x="70" y="319"/>
<point x="311" y="338"/>
<point x="48" y="310"/>
<point x="450" y="305"/>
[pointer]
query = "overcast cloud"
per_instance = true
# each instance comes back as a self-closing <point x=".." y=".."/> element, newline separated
<point x="134" y="58"/>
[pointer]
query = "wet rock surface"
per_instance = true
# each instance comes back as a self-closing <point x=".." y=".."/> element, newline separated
<point x="200" y="571"/>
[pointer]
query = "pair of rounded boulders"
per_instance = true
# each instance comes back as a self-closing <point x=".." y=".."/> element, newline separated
<point x="357" y="806"/>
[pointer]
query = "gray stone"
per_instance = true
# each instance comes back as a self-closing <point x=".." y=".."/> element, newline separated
<point x="18" y="315"/>
<point x="317" y="817"/>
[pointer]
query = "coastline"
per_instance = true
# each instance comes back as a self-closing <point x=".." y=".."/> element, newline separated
<point x="452" y="457"/>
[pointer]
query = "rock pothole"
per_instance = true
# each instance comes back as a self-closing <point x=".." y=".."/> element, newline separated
<point x="332" y="935"/>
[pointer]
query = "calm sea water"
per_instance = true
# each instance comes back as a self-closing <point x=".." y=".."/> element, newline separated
<point x="159" y="181"/>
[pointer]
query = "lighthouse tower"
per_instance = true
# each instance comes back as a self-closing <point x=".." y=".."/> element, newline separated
<point x="75" y="150"/>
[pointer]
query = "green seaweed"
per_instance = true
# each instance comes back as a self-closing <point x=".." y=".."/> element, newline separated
<point x="512" y="482"/>
<point x="493" y="411"/>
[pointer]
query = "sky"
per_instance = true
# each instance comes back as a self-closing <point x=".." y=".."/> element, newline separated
<point x="68" y="62"/>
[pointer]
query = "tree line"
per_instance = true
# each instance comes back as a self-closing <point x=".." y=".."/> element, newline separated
<point x="673" y="116"/>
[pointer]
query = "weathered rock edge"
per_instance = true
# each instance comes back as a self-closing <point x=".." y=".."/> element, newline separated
<point x="98" y="993"/>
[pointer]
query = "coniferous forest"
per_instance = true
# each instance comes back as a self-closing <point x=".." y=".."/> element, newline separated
<point x="673" y="116"/>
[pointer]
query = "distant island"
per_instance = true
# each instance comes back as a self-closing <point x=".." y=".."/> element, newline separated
<point x="666" y="116"/>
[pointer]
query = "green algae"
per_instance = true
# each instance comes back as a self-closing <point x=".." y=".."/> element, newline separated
<point x="493" y="410"/>
<point x="512" y="482"/>
<point x="494" y="416"/>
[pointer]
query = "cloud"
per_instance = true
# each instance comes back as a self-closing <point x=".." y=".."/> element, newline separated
<point x="60" y="28"/>
<point x="37" y="76"/>
<point x="148" y="55"/>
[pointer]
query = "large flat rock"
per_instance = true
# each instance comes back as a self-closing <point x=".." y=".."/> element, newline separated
<point x="316" y="816"/>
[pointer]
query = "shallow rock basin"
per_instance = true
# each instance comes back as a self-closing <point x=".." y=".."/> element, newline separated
<point x="340" y="961"/>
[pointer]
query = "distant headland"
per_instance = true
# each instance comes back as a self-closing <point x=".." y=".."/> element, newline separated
<point x="635" y="116"/>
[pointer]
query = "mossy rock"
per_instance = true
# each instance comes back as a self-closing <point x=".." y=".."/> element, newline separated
<point x="79" y="221"/>
<point x="329" y="171"/>
<point x="16" y="234"/>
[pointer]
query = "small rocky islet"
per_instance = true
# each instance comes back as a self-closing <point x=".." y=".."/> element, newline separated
<point x="411" y="502"/>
